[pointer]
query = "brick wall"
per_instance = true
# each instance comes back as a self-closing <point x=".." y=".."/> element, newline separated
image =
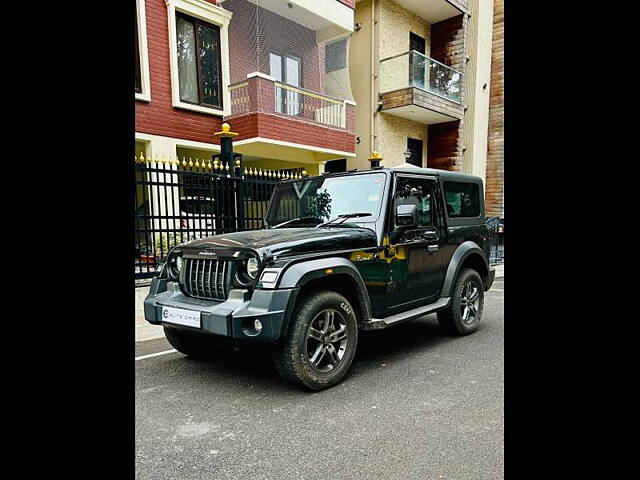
<point x="444" y="149"/>
<point x="349" y="3"/>
<point x="158" y="117"/>
<point x="281" y="128"/>
<point x="255" y="32"/>
<point x="448" y="46"/>
<point x="494" y="187"/>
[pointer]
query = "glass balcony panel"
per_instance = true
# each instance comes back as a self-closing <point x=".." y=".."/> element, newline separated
<point x="413" y="69"/>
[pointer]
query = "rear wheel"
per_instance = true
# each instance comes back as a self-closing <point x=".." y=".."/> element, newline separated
<point x="321" y="342"/>
<point x="463" y="315"/>
<point x="195" y="345"/>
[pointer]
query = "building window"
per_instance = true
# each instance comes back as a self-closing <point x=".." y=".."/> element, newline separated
<point x="415" y="147"/>
<point x="138" y="85"/>
<point x="335" y="56"/>
<point x="142" y="81"/>
<point x="463" y="199"/>
<point x="199" y="72"/>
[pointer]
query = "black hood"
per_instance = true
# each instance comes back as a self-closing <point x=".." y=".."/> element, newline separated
<point x="289" y="241"/>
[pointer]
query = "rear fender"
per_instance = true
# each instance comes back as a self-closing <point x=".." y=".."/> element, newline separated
<point x="459" y="256"/>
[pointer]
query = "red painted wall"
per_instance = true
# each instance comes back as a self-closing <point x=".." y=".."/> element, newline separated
<point x="158" y="117"/>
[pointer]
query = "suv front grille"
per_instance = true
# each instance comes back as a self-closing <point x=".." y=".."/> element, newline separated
<point x="205" y="278"/>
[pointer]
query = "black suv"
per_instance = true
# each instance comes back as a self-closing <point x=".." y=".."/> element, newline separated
<point x="339" y="253"/>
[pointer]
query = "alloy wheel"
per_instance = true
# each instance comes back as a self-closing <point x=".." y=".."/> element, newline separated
<point x="469" y="302"/>
<point x="327" y="340"/>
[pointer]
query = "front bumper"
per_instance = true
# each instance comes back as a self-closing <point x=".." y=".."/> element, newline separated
<point x="233" y="318"/>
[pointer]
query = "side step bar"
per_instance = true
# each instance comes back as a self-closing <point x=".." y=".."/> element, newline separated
<point x="377" y="323"/>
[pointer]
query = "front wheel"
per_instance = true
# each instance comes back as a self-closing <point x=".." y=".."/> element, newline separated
<point x="463" y="315"/>
<point x="319" y="347"/>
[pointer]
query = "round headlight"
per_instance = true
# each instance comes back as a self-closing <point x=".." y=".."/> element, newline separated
<point x="252" y="267"/>
<point x="179" y="263"/>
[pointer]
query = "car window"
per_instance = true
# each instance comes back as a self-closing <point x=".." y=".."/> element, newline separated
<point x="462" y="199"/>
<point x="418" y="192"/>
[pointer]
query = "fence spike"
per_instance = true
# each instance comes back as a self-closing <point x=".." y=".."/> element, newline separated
<point x="190" y="162"/>
<point x="209" y="166"/>
<point x="215" y="164"/>
<point x="246" y="172"/>
<point x="226" y="167"/>
<point x="184" y="161"/>
<point x="197" y="163"/>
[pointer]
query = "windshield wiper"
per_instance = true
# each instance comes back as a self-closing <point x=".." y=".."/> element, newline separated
<point x="295" y="220"/>
<point x="344" y="218"/>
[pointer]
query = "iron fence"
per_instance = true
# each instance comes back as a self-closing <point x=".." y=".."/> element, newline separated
<point x="496" y="240"/>
<point x="180" y="200"/>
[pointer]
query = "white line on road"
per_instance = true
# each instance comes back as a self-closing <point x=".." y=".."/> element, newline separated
<point x="142" y="357"/>
<point x="496" y="290"/>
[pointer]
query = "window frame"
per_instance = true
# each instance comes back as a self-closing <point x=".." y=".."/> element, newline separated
<point x="435" y="223"/>
<point x="206" y="12"/>
<point x="143" y="53"/>
<point x="196" y="22"/>
<point x="444" y="198"/>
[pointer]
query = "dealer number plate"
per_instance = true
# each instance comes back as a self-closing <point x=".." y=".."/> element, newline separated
<point x="179" y="316"/>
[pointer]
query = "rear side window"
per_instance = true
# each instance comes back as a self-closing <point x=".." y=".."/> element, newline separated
<point x="463" y="199"/>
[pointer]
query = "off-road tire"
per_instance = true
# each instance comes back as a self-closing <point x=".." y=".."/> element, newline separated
<point x="451" y="319"/>
<point x="196" y="346"/>
<point x="291" y="357"/>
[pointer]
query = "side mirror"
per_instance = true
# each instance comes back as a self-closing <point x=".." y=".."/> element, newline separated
<point x="407" y="216"/>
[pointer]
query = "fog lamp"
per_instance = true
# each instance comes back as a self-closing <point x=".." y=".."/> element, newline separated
<point x="257" y="325"/>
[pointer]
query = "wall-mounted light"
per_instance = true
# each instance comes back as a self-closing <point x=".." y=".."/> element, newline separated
<point x="357" y="26"/>
<point x="407" y="154"/>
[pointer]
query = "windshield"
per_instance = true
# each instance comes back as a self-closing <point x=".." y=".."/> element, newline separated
<point x="317" y="200"/>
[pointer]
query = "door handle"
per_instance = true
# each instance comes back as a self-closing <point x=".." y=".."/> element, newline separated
<point x="433" y="248"/>
<point x="430" y="236"/>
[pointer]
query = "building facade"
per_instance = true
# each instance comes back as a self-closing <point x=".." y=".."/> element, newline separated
<point x="420" y="72"/>
<point x="318" y="85"/>
<point x="494" y="184"/>
<point x="276" y="70"/>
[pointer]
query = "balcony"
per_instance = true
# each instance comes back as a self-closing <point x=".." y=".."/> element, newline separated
<point x="266" y="95"/>
<point x="290" y="88"/>
<point x="435" y="11"/>
<point x="421" y="89"/>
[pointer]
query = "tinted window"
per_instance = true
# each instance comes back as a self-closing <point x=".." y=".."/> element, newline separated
<point x="463" y="199"/>
<point x="415" y="191"/>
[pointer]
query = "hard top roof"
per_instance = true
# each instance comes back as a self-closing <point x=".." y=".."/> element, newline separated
<point x="444" y="174"/>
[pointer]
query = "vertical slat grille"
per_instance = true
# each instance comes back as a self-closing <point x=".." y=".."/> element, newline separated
<point x="205" y="278"/>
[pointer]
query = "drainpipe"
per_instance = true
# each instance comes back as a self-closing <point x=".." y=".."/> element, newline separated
<point x="374" y="76"/>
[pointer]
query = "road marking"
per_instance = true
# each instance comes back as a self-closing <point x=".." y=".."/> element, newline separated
<point x="496" y="290"/>
<point x="166" y="352"/>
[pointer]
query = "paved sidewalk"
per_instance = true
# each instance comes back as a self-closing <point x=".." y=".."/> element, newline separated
<point x="146" y="331"/>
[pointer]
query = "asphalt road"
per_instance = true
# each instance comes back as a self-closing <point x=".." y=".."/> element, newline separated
<point x="416" y="405"/>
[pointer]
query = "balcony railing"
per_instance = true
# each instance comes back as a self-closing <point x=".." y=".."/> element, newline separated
<point x="268" y="96"/>
<point x="413" y="69"/>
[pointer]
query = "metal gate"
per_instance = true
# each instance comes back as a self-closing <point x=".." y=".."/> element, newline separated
<point x="180" y="200"/>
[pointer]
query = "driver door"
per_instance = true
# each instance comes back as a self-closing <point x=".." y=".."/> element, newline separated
<point x="416" y="273"/>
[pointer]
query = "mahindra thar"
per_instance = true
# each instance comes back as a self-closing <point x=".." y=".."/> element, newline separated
<point x="339" y="253"/>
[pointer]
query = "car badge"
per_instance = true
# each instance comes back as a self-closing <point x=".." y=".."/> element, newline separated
<point x="206" y="253"/>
